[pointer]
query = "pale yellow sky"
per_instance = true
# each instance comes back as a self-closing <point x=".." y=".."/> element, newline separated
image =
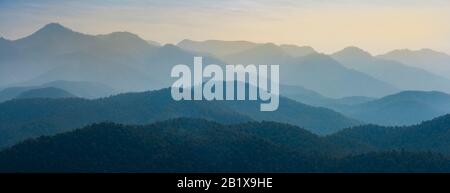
<point x="328" y="26"/>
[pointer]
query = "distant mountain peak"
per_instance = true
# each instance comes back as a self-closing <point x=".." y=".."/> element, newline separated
<point x="54" y="27"/>
<point x="319" y="55"/>
<point x="214" y="41"/>
<point x="270" y="47"/>
<point x="409" y="51"/>
<point x="170" y="46"/>
<point x="432" y="52"/>
<point x="184" y="41"/>
<point x="270" y="44"/>
<point x="416" y="92"/>
<point x="293" y="45"/>
<point x="124" y="37"/>
<point x="123" y="34"/>
<point x="297" y="51"/>
<point x="427" y="50"/>
<point x="54" y="24"/>
<point x="353" y="51"/>
<point x="401" y="51"/>
<point x="153" y="43"/>
<point x="319" y="58"/>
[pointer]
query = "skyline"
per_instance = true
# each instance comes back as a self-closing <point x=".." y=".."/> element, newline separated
<point x="377" y="27"/>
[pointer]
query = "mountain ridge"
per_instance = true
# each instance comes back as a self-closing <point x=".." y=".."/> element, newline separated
<point x="50" y="116"/>
<point x="395" y="73"/>
<point x="195" y="145"/>
<point x="403" y="108"/>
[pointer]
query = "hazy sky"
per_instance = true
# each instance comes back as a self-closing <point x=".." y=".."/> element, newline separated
<point x="327" y="25"/>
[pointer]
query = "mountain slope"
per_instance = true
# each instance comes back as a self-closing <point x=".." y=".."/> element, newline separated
<point x="47" y="116"/>
<point x="313" y="98"/>
<point x="193" y="145"/>
<point x="433" y="135"/>
<point x="12" y="92"/>
<point x="303" y="95"/>
<point x="7" y="50"/>
<point x="404" y="108"/>
<point x="430" y="60"/>
<point x="159" y="63"/>
<point x="297" y="51"/>
<point x="400" y="75"/>
<point x="121" y="60"/>
<point x="55" y="46"/>
<point x="82" y="89"/>
<point x="84" y="66"/>
<point x="181" y="145"/>
<point x="21" y="119"/>
<point x="318" y="120"/>
<point x="48" y="92"/>
<point x="323" y="74"/>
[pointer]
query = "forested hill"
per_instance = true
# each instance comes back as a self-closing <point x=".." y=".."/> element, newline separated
<point x="433" y="135"/>
<point x="21" y="119"/>
<point x="194" y="145"/>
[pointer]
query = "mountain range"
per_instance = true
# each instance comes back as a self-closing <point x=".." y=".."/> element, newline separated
<point x="324" y="75"/>
<point x="427" y="59"/>
<point x="87" y="103"/>
<point x="299" y="66"/>
<point x="126" y="62"/>
<point x="397" y="74"/>
<point x="120" y="60"/>
<point x="24" y="118"/>
<point x="394" y="74"/>
<point x="404" y="108"/>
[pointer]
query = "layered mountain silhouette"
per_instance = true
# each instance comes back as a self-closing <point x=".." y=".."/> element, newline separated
<point x="300" y="66"/>
<point x="400" y="75"/>
<point x="323" y="74"/>
<point x="427" y="59"/>
<point x="430" y="135"/>
<point x="126" y="62"/>
<point x="21" y="119"/>
<point x="297" y="51"/>
<point x="81" y="89"/>
<point x="221" y="48"/>
<point x="192" y="145"/>
<point x="311" y="97"/>
<point x="120" y="60"/>
<point x="57" y="80"/>
<point x="404" y="108"/>
<point x="48" y="92"/>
